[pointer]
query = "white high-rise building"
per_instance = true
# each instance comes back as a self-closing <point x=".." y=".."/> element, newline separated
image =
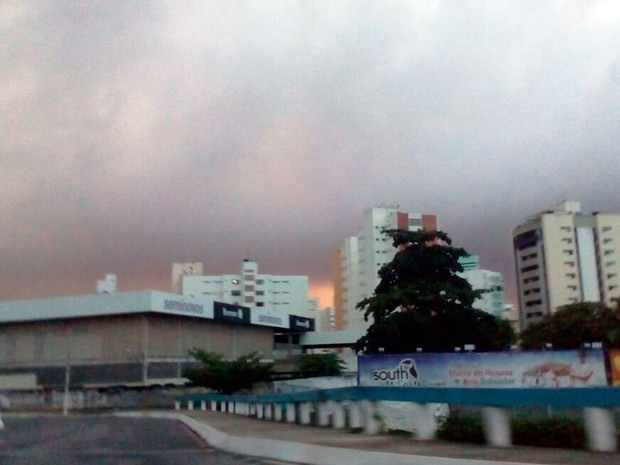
<point x="564" y="256"/>
<point x="359" y="258"/>
<point x="281" y="295"/>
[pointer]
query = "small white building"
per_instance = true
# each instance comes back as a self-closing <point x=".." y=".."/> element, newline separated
<point x="272" y="294"/>
<point x="491" y="282"/>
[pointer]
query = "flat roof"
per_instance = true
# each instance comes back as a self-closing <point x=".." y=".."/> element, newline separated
<point x="128" y="303"/>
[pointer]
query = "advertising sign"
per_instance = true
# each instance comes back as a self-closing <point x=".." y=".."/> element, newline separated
<point x="263" y="317"/>
<point x="516" y="369"/>
<point x="614" y="362"/>
<point x="301" y="323"/>
<point x="231" y="313"/>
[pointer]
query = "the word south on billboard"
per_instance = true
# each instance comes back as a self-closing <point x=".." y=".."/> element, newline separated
<point x="515" y="369"/>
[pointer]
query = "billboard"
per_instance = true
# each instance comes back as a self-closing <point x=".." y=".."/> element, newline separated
<point x="515" y="369"/>
<point x="614" y="363"/>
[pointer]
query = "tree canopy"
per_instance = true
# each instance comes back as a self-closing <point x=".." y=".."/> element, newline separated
<point x="321" y="365"/>
<point x="571" y="326"/>
<point x="422" y="302"/>
<point x="228" y="376"/>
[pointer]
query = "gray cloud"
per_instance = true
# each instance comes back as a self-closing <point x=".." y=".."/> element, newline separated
<point x="141" y="133"/>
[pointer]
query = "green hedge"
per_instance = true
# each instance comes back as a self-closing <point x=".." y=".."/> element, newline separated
<point x="558" y="432"/>
<point x="461" y="428"/>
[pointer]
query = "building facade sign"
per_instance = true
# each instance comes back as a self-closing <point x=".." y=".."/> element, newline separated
<point x="178" y="305"/>
<point x="231" y="313"/>
<point x="269" y="318"/>
<point x="299" y="323"/>
<point x="550" y="369"/>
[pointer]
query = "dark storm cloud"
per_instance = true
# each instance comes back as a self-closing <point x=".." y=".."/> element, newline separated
<point x="141" y="133"/>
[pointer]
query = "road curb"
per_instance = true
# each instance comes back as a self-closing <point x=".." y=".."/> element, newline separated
<point x="302" y="453"/>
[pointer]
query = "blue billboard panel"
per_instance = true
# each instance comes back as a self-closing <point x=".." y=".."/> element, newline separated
<point x="516" y="369"/>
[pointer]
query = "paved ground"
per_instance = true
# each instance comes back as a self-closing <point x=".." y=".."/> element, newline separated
<point x="106" y="440"/>
<point x="237" y="425"/>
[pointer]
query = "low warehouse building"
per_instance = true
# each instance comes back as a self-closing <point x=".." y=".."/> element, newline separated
<point x="128" y="338"/>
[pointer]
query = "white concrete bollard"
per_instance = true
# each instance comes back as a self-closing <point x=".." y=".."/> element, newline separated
<point x="355" y="415"/>
<point x="339" y="418"/>
<point x="424" y="421"/>
<point x="277" y="412"/>
<point x="260" y="411"/>
<point x="600" y="429"/>
<point x="304" y="413"/>
<point x="190" y="405"/>
<point x="177" y="405"/>
<point x="290" y="412"/>
<point x="213" y="406"/>
<point x="231" y="407"/>
<point x="203" y="405"/>
<point x="323" y="411"/>
<point x="496" y="423"/>
<point x="372" y="425"/>
<point x="268" y="411"/>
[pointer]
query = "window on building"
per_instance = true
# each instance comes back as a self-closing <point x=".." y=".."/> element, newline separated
<point x="568" y="240"/>
<point x="609" y="252"/>
<point x="571" y="264"/>
<point x="565" y="228"/>
<point x="260" y="281"/>
<point x="525" y="269"/>
<point x="607" y="240"/>
<point x="572" y="287"/>
<point x="236" y="293"/>
<point x="249" y="299"/>
<point x="571" y="275"/>
<point x="606" y="228"/>
<point x="260" y="292"/>
<point x="260" y="304"/>
<point x="611" y="275"/>
<point x="248" y="277"/>
<point x="568" y="252"/>
<point x="415" y="222"/>
<point x="249" y="287"/>
<point x="531" y="303"/>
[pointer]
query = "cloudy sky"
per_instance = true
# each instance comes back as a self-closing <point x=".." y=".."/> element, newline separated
<point x="139" y="133"/>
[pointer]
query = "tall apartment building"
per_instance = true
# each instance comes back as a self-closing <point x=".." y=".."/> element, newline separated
<point x="358" y="259"/>
<point x="564" y="256"/>
<point x="281" y="295"/>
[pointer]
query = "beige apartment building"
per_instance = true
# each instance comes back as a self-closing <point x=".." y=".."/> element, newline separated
<point x="565" y="256"/>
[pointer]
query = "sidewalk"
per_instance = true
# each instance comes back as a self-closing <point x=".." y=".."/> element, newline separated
<point x="326" y="440"/>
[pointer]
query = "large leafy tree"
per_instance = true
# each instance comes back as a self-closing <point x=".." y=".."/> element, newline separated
<point x="228" y="376"/>
<point x="571" y="326"/>
<point x="422" y="302"/>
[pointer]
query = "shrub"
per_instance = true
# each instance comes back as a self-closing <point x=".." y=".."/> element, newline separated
<point x="548" y="432"/>
<point x="560" y="432"/>
<point x="228" y="376"/>
<point x="461" y="428"/>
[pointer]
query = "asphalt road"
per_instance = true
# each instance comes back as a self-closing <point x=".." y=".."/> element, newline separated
<point x="104" y="440"/>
